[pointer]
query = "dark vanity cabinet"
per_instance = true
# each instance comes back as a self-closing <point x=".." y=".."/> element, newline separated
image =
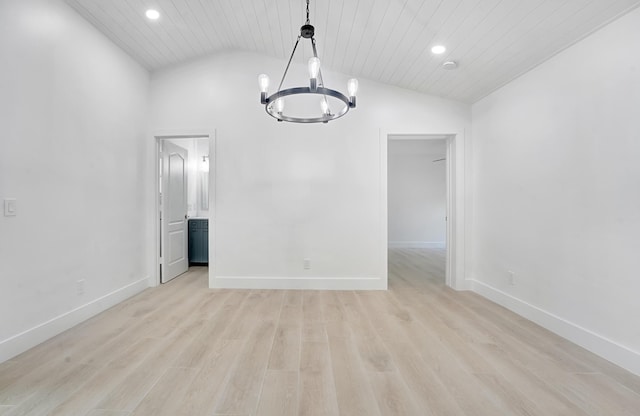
<point x="198" y="241"/>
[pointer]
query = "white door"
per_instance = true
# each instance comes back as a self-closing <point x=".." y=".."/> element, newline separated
<point x="174" y="211"/>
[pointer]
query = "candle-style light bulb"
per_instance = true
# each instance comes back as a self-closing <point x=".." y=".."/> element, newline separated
<point x="352" y="87"/>
<point x="324" y="105"/>
<point x="314" y="70"/>
<point x="279" y="105"/>
<point x="263" y="83"/>
<point x="314" y="67"/>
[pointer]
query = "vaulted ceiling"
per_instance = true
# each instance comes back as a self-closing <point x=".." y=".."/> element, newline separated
<point x="493" y="41"/>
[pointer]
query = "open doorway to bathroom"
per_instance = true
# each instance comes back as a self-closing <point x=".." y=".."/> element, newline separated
<point x="183" y="207"/>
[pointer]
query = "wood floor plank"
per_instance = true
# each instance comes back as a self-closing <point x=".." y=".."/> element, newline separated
<point x="430" y="395"/>
<point x="166" y="396"/>
<point x="4" y="410"/>
<point x="314" y="332"/>
<point x="76" y="343"/>
<point x="99" y="412"/>
<point x="392" y="395"/>
<point x="373" y="353"/>
<point x="317" y="392"/>
<point x="293" y="297"/>
<point x="126" y="395"/>
<point x="33" y="380"/>
<point x="10" y="373"/>
<point x="353" y="390"/>
<point x="47" y="399"/>
<point x="242" y="391"/>
<point x="285" y="353"/>
<point x="599" y="365"/>
<point x="598" y="394"/>
<point x="279" y="394"/>
<point x="244" y="322"/>
<point x="332" y="309"/>
<point x="546" y="397"/>
<point x="311" y="307"/>
<point x="459" y="348"/>
<point x="197" y="353"/>
<point x="89" y="395"/>
<point x="548" y="368"/>
<point x="208" y="386"/>
<point x="106" y="378"/>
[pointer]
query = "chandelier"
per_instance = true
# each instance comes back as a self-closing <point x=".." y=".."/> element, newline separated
<point x="328" y="98"/>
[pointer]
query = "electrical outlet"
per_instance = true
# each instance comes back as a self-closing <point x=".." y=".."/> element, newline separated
<point x="511" y="276"/>
<point x="10" y="209"/>
<point x="80" y="287"/>
<point x="307" y="264"/>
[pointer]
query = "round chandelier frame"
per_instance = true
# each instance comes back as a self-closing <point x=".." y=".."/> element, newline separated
<point x="272" y="109"/>
<point x="275" y="103"/>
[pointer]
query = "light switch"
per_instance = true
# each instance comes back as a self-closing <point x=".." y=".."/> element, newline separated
<point x="10" y="207"/>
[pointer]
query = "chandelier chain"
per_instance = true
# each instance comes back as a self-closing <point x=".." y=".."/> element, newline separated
<point x="308" y="21"/>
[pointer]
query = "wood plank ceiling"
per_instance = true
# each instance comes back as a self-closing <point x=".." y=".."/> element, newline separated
<point x="493" y="41"/>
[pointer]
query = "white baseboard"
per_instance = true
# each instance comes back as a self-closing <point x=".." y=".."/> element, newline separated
<point x="295" y="283"/>
<point x="462" y="285"/>
<point x="417" y="244"/>
<point x="28" y="339"/>
<point x="597" y="344"/>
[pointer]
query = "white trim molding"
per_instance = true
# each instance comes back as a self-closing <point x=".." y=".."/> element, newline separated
<point x="417" y="244"/>
<point x="28" y="339"/>
<point x="184" y="133"/>
<point x="299" y="283"/>
<point x="456" y="203"/>
<point x="596" y="343"/>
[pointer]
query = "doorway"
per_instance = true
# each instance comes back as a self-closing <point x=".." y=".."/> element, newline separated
<point x="417" y="201"/>
<point x="183" y="204"/>
<point x="454" y="218"/>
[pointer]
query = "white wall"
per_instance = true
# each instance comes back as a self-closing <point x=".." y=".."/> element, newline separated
<point x="417" y="192"/>
<point x="72" y="151"/>
<point x="286" y="192"/>
<point x="557" y="185"/>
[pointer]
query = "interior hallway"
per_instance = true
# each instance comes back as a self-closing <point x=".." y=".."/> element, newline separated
<point x="418" y="349"/>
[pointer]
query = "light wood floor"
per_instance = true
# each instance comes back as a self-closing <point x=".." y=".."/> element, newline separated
<point x="417" y="349"/>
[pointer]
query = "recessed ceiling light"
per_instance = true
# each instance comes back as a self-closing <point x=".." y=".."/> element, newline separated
<point x="152" y="14"/>
<point x="438" y="49"/>
<point x="450" y="65"/>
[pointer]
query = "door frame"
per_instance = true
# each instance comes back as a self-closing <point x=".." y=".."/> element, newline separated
<point x="455" y="166"/>
<point x="184" y="134"/>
